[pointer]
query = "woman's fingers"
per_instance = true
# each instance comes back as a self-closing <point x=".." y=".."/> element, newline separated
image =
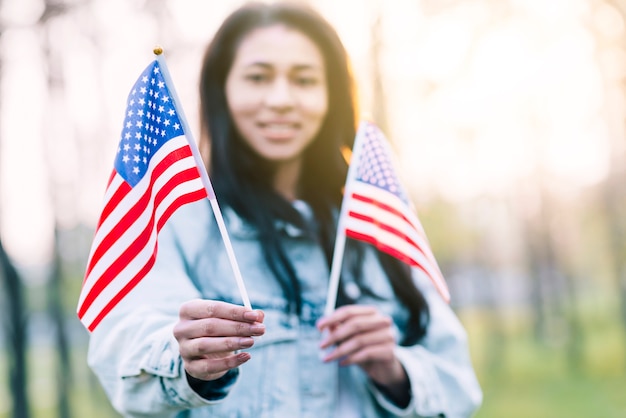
<point x="201" y="308"/>
<point x="214" y="368"/>
<point x="217" y="327"/>
<point x="364" y="347"/>
<point x="202" y="347"/>
<point x="358" y="322"/>
<point x="344" y="313"/>
<point x="208" y="318"/>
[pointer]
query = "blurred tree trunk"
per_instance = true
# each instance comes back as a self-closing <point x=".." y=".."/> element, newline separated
<point x="56" y="86"/>
<point x="541" y="263"/>
<point x="379" y="109"/>
<point x="15" y="324"/>
<point x="57" y="315"/>
<point x="15" y="327"/>
<point x="614" y="189"/>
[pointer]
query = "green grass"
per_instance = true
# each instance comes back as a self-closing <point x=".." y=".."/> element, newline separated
<point x="523" y="378"/>
<point x="556" y="397"/>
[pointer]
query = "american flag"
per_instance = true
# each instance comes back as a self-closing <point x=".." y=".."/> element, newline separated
<point x="377" y="209"/>
<point x="154" y="173"/>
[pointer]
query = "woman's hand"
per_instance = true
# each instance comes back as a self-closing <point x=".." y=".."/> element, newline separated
<point x="363" y="336"/>
<point x="209" y="332"/>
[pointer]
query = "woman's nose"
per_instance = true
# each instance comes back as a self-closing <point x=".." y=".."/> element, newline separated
<point x="280" y="95"/>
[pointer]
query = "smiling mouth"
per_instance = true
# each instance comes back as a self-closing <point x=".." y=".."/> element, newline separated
<point x="279" y="131"/>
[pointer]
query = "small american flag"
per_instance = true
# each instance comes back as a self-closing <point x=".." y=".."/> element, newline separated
<point x="155" y="172"/>
<point x="377" y="209"/>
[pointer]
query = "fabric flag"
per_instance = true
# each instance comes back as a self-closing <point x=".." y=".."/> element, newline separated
<point x="155" y="172"/>
<point x="377" y="208"/>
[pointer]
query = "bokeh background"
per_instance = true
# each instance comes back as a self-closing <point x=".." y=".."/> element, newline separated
<point x="508" y="117"/>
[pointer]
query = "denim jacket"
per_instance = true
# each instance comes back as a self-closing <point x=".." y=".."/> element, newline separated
<point x="135" y="356"/>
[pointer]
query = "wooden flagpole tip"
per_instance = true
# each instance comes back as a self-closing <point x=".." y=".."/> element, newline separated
<point x="157" y="50"/>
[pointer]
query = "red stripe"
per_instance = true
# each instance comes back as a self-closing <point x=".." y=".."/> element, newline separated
<point x="111" y="177"/>
<point x="136" y="210"/>
<point x="383" y="247"/>
<point x="117" y="197"/>
<point x="180" y="201"/>
<point x="384" y="227"/>
<point x="389" y="250"/>
<point x="378" y="203"/>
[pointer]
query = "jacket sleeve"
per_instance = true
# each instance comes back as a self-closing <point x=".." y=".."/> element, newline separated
<point x="133" y="351"/>
<point x="443" y="381"/>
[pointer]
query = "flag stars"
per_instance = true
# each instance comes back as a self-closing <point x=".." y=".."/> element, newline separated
<point x="150" y="114"/>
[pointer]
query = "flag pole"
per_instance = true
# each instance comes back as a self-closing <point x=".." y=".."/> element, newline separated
<point x="158" y="51"/>
<point x="340" y="240"/>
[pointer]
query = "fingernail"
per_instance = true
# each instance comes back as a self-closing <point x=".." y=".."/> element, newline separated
<point x="246" y="342"/>
<point x="257" y="329"/>
<point x="243" y="357"/>
<point x="251" y="315"/>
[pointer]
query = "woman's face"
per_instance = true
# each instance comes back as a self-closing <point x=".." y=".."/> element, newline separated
<point x="276" y="92"/>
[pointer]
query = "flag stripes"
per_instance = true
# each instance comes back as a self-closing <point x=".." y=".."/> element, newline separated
<point x="125" y="242"/>
<point x="374" y="217"/>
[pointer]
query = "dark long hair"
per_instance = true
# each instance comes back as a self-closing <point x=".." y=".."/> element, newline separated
<point x="244" y="181"/>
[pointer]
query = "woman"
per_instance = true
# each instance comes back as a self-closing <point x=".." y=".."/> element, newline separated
<point x="277" y="110"/>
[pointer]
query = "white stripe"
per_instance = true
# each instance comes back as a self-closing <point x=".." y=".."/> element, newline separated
<point x="132" y="268"/>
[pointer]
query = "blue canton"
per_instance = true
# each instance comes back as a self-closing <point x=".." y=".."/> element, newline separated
<point x="151" y="120"/>
<point x="375" y="166"/>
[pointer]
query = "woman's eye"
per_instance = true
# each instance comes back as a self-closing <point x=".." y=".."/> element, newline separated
<point x="257" y="78"/>
<point x="306" y="81"/>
